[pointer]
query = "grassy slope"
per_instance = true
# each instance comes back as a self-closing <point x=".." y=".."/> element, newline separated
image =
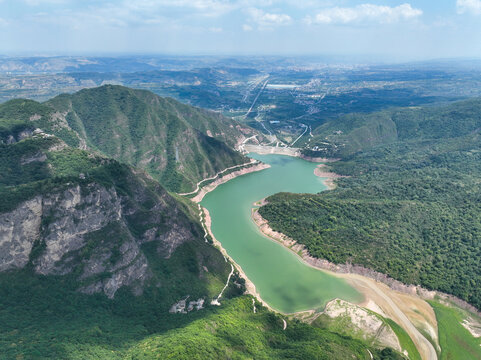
<point x="42" y="317"/>
<point x="235" y="332"/>
<point x="456" y="342"/>
<point x="356" y="132"/>
<point x="410" y="209"/>
<point x="343" y="325"/>
<point x="405" y="341"/>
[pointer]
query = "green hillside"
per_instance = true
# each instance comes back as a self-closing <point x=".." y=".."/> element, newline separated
<point x="43" y="167"/>
<point x="356" y="132"/>
<point x="410" y="209"/>
<point x="107" y="218"/>
<point x="177" y="144"/>
<point x="43" y="318"/>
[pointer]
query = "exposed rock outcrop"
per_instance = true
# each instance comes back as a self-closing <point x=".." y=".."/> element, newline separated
<point x="87" y="230"/>
<point x="361" y="323"/>
<point x="19" y="229"/>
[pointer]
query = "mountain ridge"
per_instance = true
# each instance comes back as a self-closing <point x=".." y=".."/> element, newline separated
<point x="175" y="143"/>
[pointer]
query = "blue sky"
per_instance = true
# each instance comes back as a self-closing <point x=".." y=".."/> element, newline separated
<point x="403" y="30"/>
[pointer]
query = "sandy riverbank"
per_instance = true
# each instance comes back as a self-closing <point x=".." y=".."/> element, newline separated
<point x="406" y="311"/>
<point x="210" y="187"/>
<point x="320" y="170"/>
<point x="403" y="305"/>
<point x="319" y="159"/>
<point x="266" y="150"/>
<point x="330" y="177"/>
<point x="295" y="152"/>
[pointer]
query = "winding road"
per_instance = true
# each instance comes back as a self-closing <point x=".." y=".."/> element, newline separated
<point x="216" y="175"/>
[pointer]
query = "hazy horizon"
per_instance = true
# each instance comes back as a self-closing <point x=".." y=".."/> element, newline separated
<point x="391" y="30"/>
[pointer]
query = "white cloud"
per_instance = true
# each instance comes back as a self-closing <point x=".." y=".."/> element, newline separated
<point x="468" y="6"/>
<point x="268" y="20"/>
<point x="44" y="2"/>
<point x="246" y="27"/>
<point x="364" y="13"/>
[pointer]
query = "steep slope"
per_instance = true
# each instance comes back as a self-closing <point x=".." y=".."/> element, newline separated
<point x="409" y="209"/>
<point x="94" y="253"/>
<point x="66" y="211"/>
<point x="176" y="144"/>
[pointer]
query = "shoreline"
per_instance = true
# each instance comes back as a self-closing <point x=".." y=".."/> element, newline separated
<point x="292" y="245"/>
<point x="207" y="221"/>
<point x="378" y="296"/>
<point x="350" y="269"/>
<point x="319" y="171"/>
<point x="288" y="151"/>
<point x="198" y="185"/>
<point x="330" y="178"/>
<point x="405" y="304"/>
<point x="250" y="287"/>
<point x="267" y="150"/>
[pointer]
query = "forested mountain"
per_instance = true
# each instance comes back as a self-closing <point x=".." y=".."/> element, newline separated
<point x="66" y="211"/>
<point x="175" y="143"/>
<point x="356" y="132"/>
<point x="409" y="208"/>
<point x="94" y="254"/>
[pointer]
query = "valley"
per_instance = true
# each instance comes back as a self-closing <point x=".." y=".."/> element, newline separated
<point x="96" y="253"/>
<point x="240" y="180"/>
<point x="116" y="198"/>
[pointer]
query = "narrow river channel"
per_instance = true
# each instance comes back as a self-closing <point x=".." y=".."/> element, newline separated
<point x="281" y="278"/>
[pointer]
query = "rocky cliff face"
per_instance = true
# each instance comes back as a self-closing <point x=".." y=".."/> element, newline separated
<point x="99" y="224"/>
<point x="89" y="230"/>
<point x="18" y="231"/>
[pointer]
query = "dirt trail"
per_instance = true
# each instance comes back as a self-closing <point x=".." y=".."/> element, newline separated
<point x="198" y="186"/>
<point x="256" y="166"/>
<point x="383" y="297"/>
<point x="216" y="300"/>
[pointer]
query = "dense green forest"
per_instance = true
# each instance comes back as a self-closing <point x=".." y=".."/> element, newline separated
<point x="353" y="133"/>
<point x="47" y="317"/>
<point x="175" y="143"/>
<point x="410" y="208"/>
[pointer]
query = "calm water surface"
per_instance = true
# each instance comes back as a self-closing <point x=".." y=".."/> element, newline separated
<point x="280" y="277"/>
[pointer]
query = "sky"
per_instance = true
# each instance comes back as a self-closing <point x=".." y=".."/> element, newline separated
<point x="405" y="30"/>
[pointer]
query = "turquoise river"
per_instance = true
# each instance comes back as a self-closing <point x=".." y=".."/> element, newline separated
<point x="281" y="278"/>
